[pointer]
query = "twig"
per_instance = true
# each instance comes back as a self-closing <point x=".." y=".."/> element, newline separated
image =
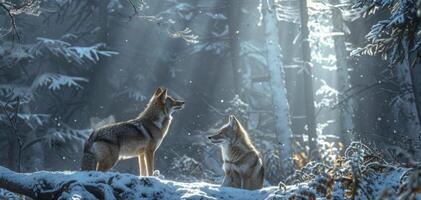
<point x="213" y="107"/>
<point x="345" y="99"/>
<point x="12" y="20"/>
<point x="13" y="120"/>
<point x="136" y="12"/>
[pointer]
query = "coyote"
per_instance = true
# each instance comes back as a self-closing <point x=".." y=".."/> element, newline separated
<point x="242" y="164"/>
<point x="139" y="137"/>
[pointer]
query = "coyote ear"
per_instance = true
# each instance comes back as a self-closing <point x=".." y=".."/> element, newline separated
<point x="163" y="95"/>
<point x="158" y="91"/>
<point x="233" y="122"/>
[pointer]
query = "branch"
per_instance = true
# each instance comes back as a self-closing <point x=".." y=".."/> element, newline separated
<point x="13" y="120"/>
<point x="213" y="107"/>
<point x="135" y="11"/>
<point x="12" y="20"/>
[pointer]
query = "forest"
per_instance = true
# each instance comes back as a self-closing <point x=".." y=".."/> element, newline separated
<point x="325" y="93"/>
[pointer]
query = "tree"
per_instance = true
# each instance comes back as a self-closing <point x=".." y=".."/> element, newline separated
<point x="397" y="39"/>
<point x="344" y="84"/>
<point x="404" y="106"/>
<point x="41" y="72"/>
<point x="12" y="8"/>
<point x="234" y="21"/>
<point x="277" y="84"/>
<point x="308" y="81"/>
<point x="100" y="87"/>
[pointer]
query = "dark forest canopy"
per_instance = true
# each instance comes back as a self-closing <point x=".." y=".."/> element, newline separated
<point x="336" y="82"/>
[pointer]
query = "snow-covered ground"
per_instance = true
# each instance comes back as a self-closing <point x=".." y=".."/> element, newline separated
<point x="127" y="186"/>
<point x="111" y="185"/>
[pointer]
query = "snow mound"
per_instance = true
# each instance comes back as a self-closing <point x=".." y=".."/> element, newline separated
<point x="112" y="185"/>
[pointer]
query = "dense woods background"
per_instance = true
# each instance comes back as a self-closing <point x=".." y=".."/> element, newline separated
<point x="306" y="78"/>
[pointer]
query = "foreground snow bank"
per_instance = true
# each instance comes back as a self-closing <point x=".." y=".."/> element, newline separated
<point x="98" y="185"/>
<point x="383" y="184"/>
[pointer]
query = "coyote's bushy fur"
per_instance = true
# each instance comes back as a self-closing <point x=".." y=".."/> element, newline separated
<point x="242" y="164"/>
<point x="139" y="137"/>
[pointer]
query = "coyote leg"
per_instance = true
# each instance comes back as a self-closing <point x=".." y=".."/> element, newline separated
<point x="89" y="161"/>
<point x="150" y="156"/>
<point x="232" y="179"/>
<point x="142" y="164"/>
<point x="243" y="182"/>
<point x="227" y="182"/>
<point x="254" y="180"/>
<point x="249" y="184"/>
<point x="107" y="157"/>
<point x="105" y="165"/>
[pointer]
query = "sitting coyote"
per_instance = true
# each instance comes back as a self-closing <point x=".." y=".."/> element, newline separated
<point x="242" y="164"/>
<point x="139" y="137"/>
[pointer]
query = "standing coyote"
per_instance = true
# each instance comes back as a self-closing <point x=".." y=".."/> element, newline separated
<point x="242" y="165"/>
<point x="139" y="137"/>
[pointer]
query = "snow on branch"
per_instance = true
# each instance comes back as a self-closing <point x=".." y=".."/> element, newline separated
<point x="56" y="81"/>
<point x="185" y="34"/>
<point x="52" y="81"/>
<point x="12" y="8"/>
<point x="287" y="10"/>
<point x="31" y="120"/>
<point x="396" y="36"/>
<point x="92" y="53"/>
<point x="73" y="53"/>
<point x="12" y="91"/>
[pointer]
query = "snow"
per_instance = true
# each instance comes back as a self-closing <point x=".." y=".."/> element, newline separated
<point x="56" y="81"/>
<point x="127" y="186"/>
<point x="134" y="187"/>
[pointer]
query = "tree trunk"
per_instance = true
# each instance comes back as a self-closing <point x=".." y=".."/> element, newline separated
<point x="416" y="82"/>
<point x="99" y="89"/>
<point x="277" y="82"/>
<point x="344" y="83"/>
<point x="14" y="140"/>
<point x="408" y="106"/>
<point x="308" y="82"/>
<point x="11" y="151"/>
<point x="34" y="158"/>
<point x="234" y="16"/>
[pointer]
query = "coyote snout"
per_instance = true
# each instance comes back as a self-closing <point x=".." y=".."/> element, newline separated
<point x="139" y="137"/>
<point x="242" y="164"/>
<point x="172" y="104"/>
<point x="217" y="138"/>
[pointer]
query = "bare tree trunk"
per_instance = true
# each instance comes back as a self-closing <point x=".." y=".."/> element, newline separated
<point x="35" y="157"/>
<point x="11" y="152"/>
<point x="308" y="82"/>
<point x="234" y="13"/>
<point x="14" y="139"/>
<point x="344" y="83"/>
<point x="408" y="106"/>
<point x="277" y="82"/>
<point x="99" y="88"/>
